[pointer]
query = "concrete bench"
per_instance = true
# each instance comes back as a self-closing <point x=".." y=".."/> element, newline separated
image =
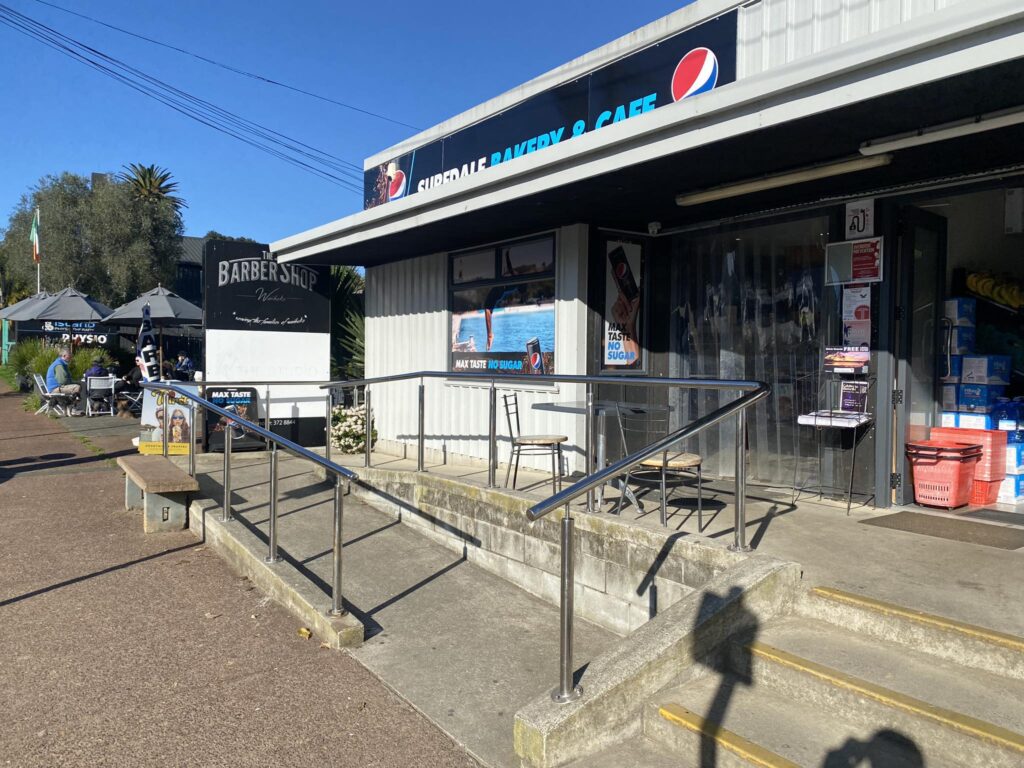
<point x="160" y="489"/>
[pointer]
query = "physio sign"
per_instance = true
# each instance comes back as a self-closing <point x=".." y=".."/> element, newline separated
<point x="685" y="65"/>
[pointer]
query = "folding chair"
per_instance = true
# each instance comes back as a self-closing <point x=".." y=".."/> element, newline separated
<point x="675" y="462"/>
<point x="52" y="402"/>
<point x="134" y="399"/>
<point x="99" y="390"/>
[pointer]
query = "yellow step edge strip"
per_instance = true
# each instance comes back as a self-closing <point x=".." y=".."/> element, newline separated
<point x="940" y="622"/>
<point x="979" y="729"/>
<point x="752" y="753"/>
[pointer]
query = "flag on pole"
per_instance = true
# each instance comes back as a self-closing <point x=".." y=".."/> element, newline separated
<point x="146" y="350"/>
<point x="34" y="237"/>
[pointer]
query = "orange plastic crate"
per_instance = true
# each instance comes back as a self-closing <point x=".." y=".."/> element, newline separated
<point x="992" y="466"/>
<point x="943" y="472"/>
<point x="985" y="492"/>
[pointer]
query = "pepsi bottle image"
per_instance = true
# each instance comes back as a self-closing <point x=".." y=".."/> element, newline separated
<point x="623" y="274"/>
<point x="535" y="356"/>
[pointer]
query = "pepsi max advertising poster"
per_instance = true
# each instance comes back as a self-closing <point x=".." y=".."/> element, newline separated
<point x="242" y="401"/>
<point x="684" y="66"/>
<point x="623" y="299"/>
<point x="505" y="329"/>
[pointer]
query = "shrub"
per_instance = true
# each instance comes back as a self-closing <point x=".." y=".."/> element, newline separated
<point x="348" y="429"/>
<point x="24" y="352"/>
<point x="81" y="360"/>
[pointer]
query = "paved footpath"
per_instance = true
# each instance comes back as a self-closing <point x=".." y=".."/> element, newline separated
<point x="120" y="649"/>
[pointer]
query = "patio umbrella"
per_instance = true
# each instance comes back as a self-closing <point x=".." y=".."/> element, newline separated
<point x="68" y="305"/>
<point x="8" y="313"/>
<point x="165" y="308"/>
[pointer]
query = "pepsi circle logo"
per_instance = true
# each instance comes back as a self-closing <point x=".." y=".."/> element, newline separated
<point x="397" y="186"/>
<point x="696" y="72"/>
<point x="535" y="360"/>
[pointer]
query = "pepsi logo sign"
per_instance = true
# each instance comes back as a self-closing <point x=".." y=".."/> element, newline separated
<point x="396" y="188"/>
<point x="696" y="72"/>
<point x="535" y="360"/>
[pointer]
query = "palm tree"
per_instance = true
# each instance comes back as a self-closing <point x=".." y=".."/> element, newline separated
<point x="150" y="183"/>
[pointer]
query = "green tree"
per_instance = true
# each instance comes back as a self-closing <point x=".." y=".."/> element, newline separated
<point x="215" y="235"/>
<point x="104" y="240"/>
<point x="347" y="323"/>
<point x="151" y="183"/>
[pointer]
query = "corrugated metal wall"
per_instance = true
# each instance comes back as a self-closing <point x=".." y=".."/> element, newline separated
<point x="408" y="329"/>
<point x="776" y="32"/>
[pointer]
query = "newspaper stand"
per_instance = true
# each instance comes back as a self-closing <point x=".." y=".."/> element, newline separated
<point x="943" y="472"/>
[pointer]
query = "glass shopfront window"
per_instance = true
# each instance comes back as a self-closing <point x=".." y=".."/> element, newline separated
<point x="748" y="304"/>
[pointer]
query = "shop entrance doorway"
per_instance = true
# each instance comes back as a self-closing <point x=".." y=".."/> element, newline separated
<point x="919" y="333"/>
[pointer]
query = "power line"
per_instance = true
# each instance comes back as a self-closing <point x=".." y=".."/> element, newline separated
<point x="228" y="67"/>
<point x="279" y="145"/>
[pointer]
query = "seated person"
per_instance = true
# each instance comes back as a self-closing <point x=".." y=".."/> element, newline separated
<point x="58" y="378"/>
<point x="184" y="368"/>
<point x="96" y="369"/>
<point x="131" y="381"/>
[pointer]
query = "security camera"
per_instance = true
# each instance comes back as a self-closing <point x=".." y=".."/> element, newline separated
<point x="654" y="227"/>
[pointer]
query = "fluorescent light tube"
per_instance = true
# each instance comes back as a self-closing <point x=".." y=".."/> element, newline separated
<point x="775" y="181"/>
<point x="981" y="124"/>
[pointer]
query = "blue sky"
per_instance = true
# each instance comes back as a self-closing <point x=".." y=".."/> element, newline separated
<point x="417" y="62"/>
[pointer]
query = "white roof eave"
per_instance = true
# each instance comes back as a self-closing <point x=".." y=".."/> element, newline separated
<point x="936" y="46"/>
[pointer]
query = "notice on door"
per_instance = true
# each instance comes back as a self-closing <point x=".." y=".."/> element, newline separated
<point x="856" y="315"/>
<point x="866" y="260"/>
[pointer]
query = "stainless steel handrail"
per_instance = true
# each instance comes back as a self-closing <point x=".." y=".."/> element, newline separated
<point x="276" y="441"/>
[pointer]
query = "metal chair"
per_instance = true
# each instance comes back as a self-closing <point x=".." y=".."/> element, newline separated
<point x="99" y="390"/>
<point x="531" y="444"/>
<point x="133" y="397"/>
<point x="645" y="422"/>
<point x="52" y="402"/>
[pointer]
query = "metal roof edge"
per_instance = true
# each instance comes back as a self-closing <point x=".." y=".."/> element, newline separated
<point x="649" y="34"/>
<point x="715" y="107"/>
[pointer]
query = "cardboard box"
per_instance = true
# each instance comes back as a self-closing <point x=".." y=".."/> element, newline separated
<point x="962" y="311"/>
<point x="949" y="419"/>
<point x="985" y="369"/>
<point x="975" y="398"/>
<point x="1015" y="458"/>
<point x="963" y="338"/>
<point x="949" y="397"/>
<point x="1011" y="490"/>
<point x="956" y="366"/>
<point x="976" y="421"/>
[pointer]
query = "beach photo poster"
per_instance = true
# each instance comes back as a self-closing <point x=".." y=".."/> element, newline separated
<point x="623" y="302"/>
<point x="504" y="328"/>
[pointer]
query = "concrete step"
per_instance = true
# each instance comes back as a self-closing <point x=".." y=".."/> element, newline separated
<point x="824" y="682"/>
<point x="639" y="752"/>
<point x="966" y="644"/>
<point x="981" y="695"/>
<point x="724" y="722"/>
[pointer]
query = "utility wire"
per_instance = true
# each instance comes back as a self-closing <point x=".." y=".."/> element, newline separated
<point x="228" y="67"/>
<point x="315" y="161"/>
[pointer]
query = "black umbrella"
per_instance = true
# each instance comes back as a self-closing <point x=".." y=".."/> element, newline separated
<point x="68" y="305"/>
<point x="11" y="312"/>
<point x="165" y="308"/>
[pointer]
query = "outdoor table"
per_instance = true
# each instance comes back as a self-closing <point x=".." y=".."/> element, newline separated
<point x="601" y="410"/>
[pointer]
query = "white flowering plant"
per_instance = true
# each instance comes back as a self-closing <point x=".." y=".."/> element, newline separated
<point x="348" y="429"/>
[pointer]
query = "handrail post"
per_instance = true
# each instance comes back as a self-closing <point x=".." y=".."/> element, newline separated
<point x="226" y="509"/>
<point x="740" y="539"/>
<point x="369" y="425"/>
<point x="492" y="435"/>
<point x="193" y="430"/>
<point x="272" y="530"/>
<point x="566" y="692"/>
<point x="590" y="443"/>
<point x="337" y="608"/>
<point x="266" y="404"/>
<point x="327" y="424"/>
<point x="419" y="442"/>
